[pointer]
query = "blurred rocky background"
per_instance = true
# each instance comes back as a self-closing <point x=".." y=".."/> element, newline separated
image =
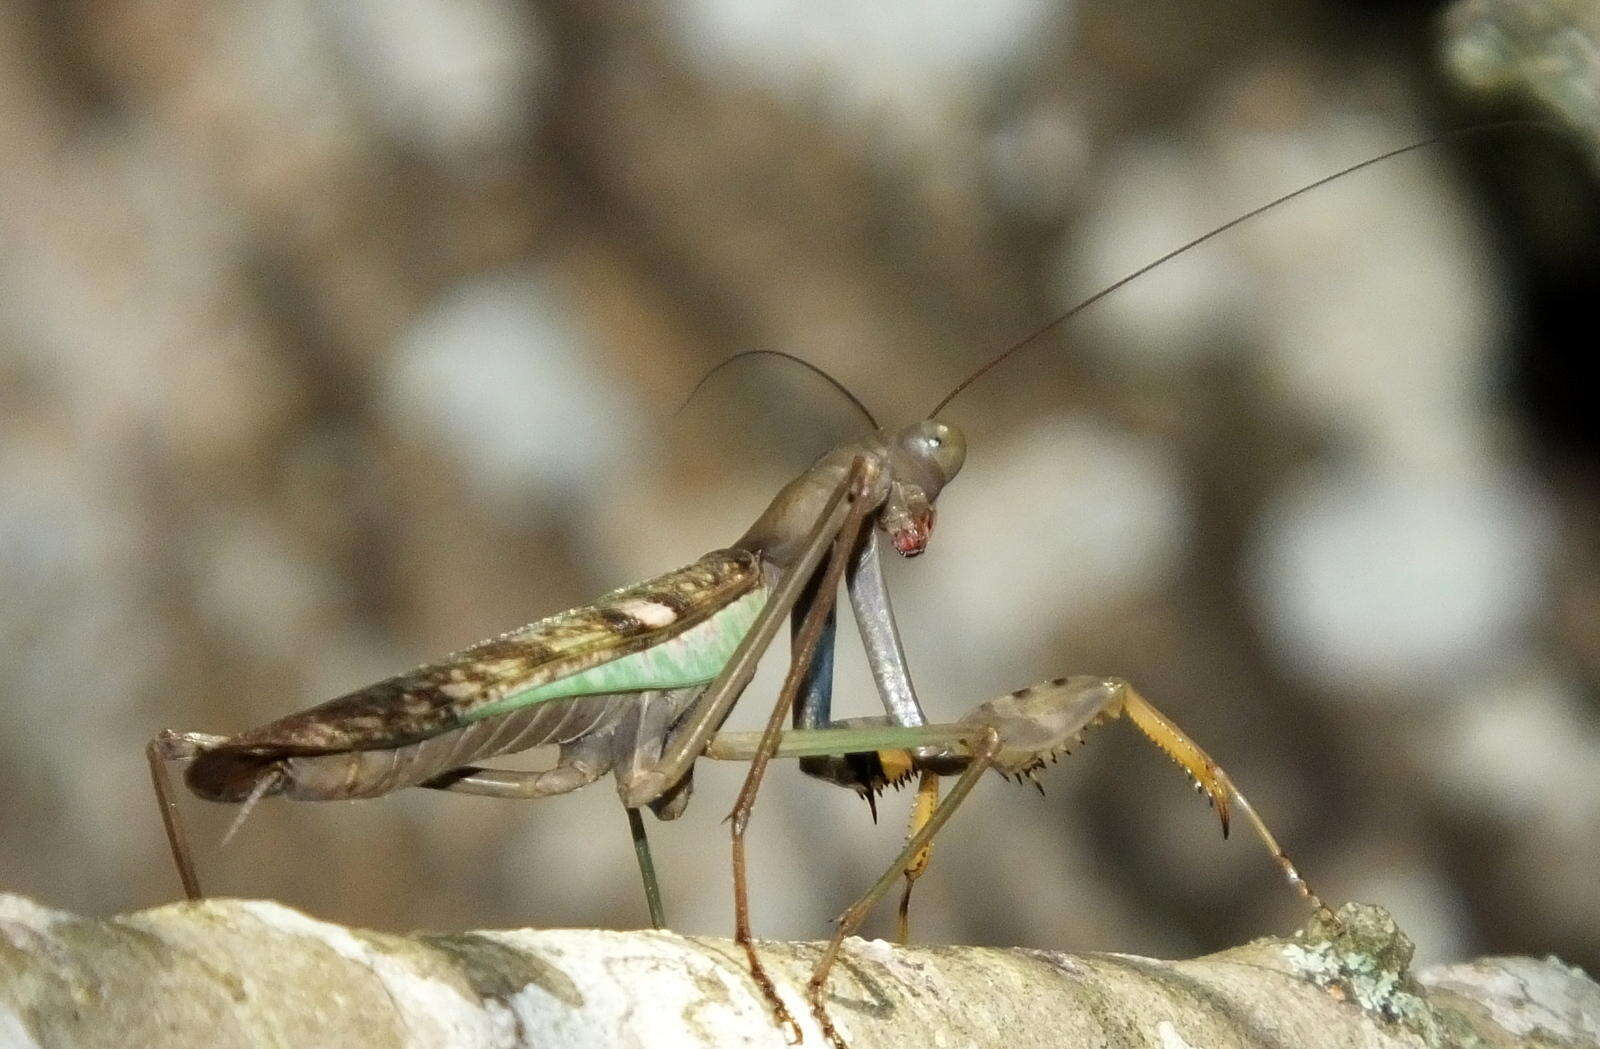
<point x="336" y="334"/>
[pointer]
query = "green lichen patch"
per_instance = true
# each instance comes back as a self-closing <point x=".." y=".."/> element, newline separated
<point x="1362" y="956"/>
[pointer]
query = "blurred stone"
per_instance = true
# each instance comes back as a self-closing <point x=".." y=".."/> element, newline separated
<point x="1378" y="307"/>
<point x="1151" y="196"/>
<point x="1052" y="523"/>
<point x="1039" y="161"/>
<point x="1369" y="304"/>
<point x="499" y="370"/>
<point x="461" y="79"/>
<point x="256" y="588"/>
<point x="916" y="60"/>
<point x="1394" y="583"/>
<point x="1522" y="744"/>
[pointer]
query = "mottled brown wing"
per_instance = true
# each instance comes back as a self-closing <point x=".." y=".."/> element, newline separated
<point x="442" y="696"/>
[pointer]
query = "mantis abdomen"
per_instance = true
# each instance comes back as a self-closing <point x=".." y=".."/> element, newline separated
<point x="581" y="725"/>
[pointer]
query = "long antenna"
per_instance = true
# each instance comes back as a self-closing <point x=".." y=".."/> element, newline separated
<point x="995" y="362"/>
<point x="835" y="383"/>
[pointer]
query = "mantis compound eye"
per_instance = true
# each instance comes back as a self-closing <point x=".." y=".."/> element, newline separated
<point x="948" y="449"/>
<point x="937" y="449"/>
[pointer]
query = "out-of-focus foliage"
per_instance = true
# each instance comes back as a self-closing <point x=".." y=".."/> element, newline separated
<point x="334" y="336"/>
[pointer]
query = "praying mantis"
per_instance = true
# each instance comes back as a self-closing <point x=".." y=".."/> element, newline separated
<point x="638" y="683"/>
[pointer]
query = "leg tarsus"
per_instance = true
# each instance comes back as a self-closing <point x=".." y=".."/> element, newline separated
<point x="769" y="991"/>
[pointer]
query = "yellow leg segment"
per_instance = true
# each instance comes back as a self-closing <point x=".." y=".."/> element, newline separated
<point x="922" y="807"/>
<point x="1209" y="776"/>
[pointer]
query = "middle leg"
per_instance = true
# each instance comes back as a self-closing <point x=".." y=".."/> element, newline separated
<point x="1016" y="734"/>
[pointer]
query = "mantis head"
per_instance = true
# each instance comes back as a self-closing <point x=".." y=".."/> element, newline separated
<point x="923" y="458"/>
<point x="910" y="467"/>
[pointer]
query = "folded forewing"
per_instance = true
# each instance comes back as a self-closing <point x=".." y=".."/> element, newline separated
<point x="478" y="681"/>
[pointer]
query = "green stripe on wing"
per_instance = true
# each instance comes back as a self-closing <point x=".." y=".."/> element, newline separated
<point x="694" y="657"/>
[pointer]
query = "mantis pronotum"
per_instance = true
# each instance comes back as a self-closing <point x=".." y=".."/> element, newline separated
<point x="640" y="682"/>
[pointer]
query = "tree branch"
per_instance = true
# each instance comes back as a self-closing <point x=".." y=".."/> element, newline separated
<point x="228" y="973"/>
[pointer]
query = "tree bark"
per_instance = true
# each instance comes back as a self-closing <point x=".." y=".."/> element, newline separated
<point x="225" y="973"/>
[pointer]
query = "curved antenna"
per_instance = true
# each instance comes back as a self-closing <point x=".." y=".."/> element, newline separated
<point x="1045" y="329"/>
<point x="814" y="369"/>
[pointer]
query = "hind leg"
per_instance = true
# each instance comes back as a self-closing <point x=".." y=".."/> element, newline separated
<point x="168" y="746"/>
<point x="567" y="776"/>
<point x="644" y="733"/>
<point x="579" y="766"/>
